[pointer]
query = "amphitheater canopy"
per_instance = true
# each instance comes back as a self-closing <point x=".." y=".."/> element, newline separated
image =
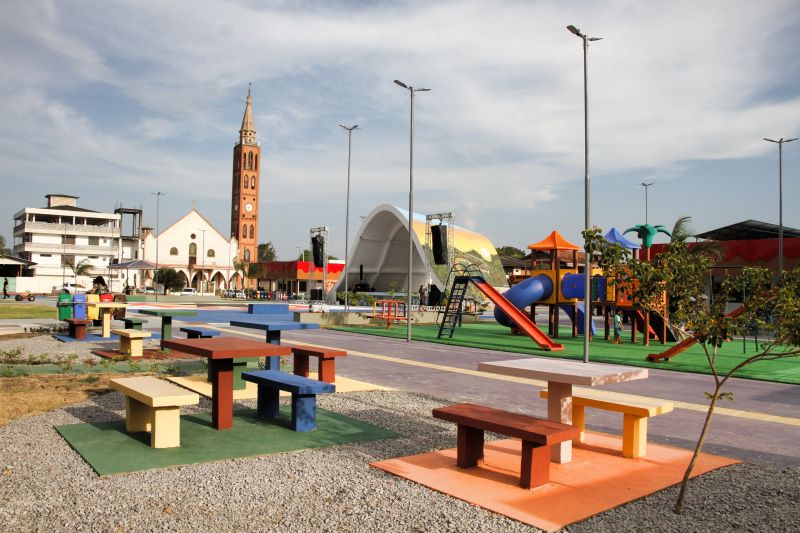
<point x="379" y="254"/>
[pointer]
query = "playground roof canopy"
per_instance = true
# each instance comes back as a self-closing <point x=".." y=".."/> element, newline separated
<point x="614" y="235"/>
<point x="554" y="241"/>
<point x="748" y="230"/>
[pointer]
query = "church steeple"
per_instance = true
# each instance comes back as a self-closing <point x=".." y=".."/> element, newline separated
<point x="247" y="135"/>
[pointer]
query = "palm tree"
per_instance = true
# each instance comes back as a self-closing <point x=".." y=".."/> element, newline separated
<point x="646" y="232"/>
<point x="81" y="269"/>
<point x="681" y="234"/>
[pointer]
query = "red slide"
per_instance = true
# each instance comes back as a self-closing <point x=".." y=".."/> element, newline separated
<point x="519" y="318"/>
<point x="672" y="351"/>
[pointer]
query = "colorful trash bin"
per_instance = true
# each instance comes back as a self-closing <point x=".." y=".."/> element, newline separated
<point x="64" y="305"/>
<point x="93" y="313"/>
<point x="79" y="306"/>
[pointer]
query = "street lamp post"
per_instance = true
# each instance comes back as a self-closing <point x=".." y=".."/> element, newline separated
<point x="587" y="287"/>
<point x="158" y="196"/>
<point x="646" y="185"/>
<point x="347" y="219"/>
<point x="780" y="142"/>
<point x="411" y="90"/>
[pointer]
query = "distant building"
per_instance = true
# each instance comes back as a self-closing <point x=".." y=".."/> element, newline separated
<point x="245" y="188"/>
<point x="62" y="235"/>
<point x="292" y="277"/>
<point x="197" y="250"/>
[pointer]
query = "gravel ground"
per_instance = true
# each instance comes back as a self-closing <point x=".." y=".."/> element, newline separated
<point x="47" y="487"/>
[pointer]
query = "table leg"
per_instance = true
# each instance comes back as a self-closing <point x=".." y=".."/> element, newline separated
<point x="559" y="408"/>
<point x="274" y="362"/>
<point x="106" y="317"/>
<point x="166" y="332"/>
<point x="222" y="393"/>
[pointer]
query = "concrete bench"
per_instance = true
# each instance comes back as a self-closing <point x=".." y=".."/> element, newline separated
<point x="199" y="333"/>
<point x="77" y="327"/>
<point x="153" y="405"/>
<point x="134" y="323"/>
<point x="635" y="412"/>
<point x="537" y="434"/>
<point x="131" y="341"/>
<point x="327" y="361"/>
<point x="304" y="396"/>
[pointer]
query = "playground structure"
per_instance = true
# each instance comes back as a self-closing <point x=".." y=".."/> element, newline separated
<point x="556" y="283"/>
<point x="389" y="310"/>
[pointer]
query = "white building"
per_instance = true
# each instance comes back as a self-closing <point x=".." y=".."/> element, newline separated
<point x="197" y="250"/>
<point x="61" y="235"/>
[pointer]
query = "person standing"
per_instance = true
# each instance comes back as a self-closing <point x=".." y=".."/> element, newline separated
<point x="5" y="288"/>
<point x="617" y="325"/>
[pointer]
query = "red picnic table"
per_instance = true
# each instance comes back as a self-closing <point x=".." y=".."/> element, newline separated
<point x="220" y="352"/>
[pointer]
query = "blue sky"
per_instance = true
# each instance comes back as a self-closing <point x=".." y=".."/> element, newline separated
<point x="112" y="100"/>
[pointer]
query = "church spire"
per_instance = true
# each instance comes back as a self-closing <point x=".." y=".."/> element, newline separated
<point x="247" y="135"/>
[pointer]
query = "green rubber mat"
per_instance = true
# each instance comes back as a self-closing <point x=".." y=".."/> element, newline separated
<point x="109" y="449"/>
<point x="496" y="337"/>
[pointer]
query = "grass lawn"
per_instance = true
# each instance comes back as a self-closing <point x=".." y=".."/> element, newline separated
<point x="13" y="309"/>
<point x="497" y="337"/>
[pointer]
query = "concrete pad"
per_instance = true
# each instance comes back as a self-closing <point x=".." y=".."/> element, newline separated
<point x="597" y="479"/>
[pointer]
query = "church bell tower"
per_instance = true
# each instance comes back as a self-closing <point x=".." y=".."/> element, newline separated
<point x="245" y="187"/>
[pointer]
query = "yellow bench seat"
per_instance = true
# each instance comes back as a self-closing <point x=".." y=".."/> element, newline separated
<point x="131" y="341"/>
<point x="635" y="410"/>
<point x="153" y="405"/>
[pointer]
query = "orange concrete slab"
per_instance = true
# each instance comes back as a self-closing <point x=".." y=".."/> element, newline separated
<point x="597" y="479"/>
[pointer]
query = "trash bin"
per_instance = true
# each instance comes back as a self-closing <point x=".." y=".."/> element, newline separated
<point x="64" y="305"/>
<point x="79" y="307"/>
<point x="119" y="314"/>
<point x="93" y="313"/>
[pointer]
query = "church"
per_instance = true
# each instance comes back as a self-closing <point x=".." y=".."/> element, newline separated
<point x="192" y="246"/>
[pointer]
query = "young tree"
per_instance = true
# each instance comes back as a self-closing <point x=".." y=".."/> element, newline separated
<point x="681" y="271"/>
<point x="266" y="252"/>
<point x="82" y="268"/>
<point x="169" y="278"/>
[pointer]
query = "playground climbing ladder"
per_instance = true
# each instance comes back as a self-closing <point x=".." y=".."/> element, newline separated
<point x="460" y="274"/>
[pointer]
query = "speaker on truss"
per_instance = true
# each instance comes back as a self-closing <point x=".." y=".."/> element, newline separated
<point x="439" y="241"/>
<point x="318" y="250"/>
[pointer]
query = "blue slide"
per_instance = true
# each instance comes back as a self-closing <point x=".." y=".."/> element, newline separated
<point x="572" y="287"/>
<point x="540" y="287"/>
<point x="524" y="294"/>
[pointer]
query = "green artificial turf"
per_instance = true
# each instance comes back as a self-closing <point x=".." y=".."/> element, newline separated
<point x="14" y="309"/>
<point x="496" y="337"/>
<point x="109" y="449"/>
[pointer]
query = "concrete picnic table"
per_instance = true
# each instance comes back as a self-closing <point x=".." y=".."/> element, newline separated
<point x="273" y="329"/>
<point x="221" y="351"/>
<point x="106" y="309"/>
<point x="166" y="321"/>
<point x="561" y="375"/>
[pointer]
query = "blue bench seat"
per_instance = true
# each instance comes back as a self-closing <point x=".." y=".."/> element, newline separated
<point x="304" y="396"/>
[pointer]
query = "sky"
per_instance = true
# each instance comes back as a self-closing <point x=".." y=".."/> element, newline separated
<point x="114" y="100"/>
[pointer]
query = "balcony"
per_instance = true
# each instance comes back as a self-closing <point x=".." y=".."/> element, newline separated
<point x="53" y="228"/>
<point x="64" y="249"/>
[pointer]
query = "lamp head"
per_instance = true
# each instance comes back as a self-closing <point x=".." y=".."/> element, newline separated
<point x="401" y="84"/>
<point x="574" y="30"/>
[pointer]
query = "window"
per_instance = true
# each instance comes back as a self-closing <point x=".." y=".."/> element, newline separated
<point x="68" y="239"/>
<point x="210" y="253"/>
<point x="94" y="241"/>
<point x="250" y="160"/>
<point x="45" y="255"/>
<point x="252" y="232"/>
<point x="244" y="231"/>
<point x="253" y="183"/>
<point x="246" y="182"/>
<point x="67" y="260"/>
<point x="173" y="251"/>
<point x="247" y="255"/>
<point x="256" y="161"/>
<point x="94" y="257"/>
<point x="192" y="250"/>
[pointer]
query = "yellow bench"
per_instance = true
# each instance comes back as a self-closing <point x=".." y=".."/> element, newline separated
<point x="635" y="410"/>
<point x="131" y="341"/>
<point x="153" y="405"/>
